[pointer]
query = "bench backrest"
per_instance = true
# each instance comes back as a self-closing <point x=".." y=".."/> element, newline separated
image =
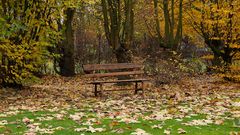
<point x="109" y="67"/>
<point x="115" y="69"/>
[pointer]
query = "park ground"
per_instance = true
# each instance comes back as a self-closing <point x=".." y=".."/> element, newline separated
<point x="202" y="105"/>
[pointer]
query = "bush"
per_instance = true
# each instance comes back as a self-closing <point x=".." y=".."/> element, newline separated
<point x="25" y="35"/>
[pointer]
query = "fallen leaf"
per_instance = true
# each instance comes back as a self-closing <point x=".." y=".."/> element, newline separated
<point x="219" y="122"/>
<point x="159" y="126"/>
<point x="26" y="120"/>
<point x="139" y="131"/>
<point x="167" y="132"/>
<point x="181" y="131"/>
<point x="3" y="122"/>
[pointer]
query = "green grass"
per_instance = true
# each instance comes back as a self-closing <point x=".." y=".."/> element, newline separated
<point x="15" y="125"/>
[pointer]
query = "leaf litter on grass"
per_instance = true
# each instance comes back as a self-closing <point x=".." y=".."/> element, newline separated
<point x="216" y="107"/>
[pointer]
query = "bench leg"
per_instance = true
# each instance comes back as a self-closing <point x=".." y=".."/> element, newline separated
<point x="101" y="89"/>
<point x="95" y="90"/>
<point x="136" y="87"/>
<point x="143" y="87"/>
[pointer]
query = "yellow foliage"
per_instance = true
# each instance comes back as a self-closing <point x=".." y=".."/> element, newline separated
<point x="24" y="39"/>
<point x="207" y="57"/>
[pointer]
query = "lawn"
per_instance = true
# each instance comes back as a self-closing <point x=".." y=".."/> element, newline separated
<point x="120" y="117"/>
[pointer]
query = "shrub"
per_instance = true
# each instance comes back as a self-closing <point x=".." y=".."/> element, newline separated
<point x="25" y="35"/>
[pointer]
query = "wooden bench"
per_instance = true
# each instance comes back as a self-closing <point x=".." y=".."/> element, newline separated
<point x="131" y="71"/>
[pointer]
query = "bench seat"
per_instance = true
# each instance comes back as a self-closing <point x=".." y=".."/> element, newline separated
<point x="97" y="75"/>
<point x="118" y="81"/>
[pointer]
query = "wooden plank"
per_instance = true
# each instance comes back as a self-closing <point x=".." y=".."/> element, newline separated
<point x="124" y="89"/>
<point x="115" y="66"/>
<point x="109" y="90"/>
<point x="114" y="74"/>
<point x="118" y="81"/>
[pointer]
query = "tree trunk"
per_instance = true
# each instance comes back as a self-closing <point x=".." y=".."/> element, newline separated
<point x="158" y="28"/>
<point x="178" y="36"/>
<point x="119" y="30"/>
<point x="167" y="23"/>
<point x="123" y="55"/>
<point x="171" y="38"/>
<point x="67" y="64"/>
<point x="215" y="46"/>
<point x="216" y="60"/>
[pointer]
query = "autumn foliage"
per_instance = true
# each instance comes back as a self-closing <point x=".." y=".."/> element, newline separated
<point x="26" y="31"/>
<point x="61" y="36"/>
